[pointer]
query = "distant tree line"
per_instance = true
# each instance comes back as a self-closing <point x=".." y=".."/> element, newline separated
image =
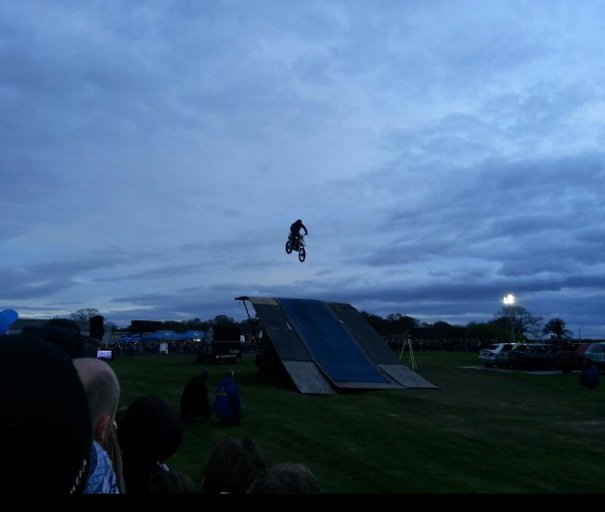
<point x="195" y="324"/>
<point x="510" y="322"/>
<point x="140" y="326"/>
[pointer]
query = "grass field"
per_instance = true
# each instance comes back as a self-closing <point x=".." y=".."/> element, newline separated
<point x="482" y="431"/>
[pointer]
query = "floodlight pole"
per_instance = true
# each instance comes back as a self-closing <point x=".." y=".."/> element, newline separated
<point x="512" y="328"/>
<point x="509" y="301"/>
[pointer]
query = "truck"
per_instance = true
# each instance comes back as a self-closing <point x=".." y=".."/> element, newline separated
<point x="221" y="344"/>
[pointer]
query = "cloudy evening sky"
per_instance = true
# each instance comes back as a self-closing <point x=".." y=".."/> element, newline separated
<point x="441" y="153"/>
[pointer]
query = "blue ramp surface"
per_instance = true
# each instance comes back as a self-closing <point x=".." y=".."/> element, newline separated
<point x="292" y="352"/>
<point x="333" y="348"/>
<point x="328" y="346"/>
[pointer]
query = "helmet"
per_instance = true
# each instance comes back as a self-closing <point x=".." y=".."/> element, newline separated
<point x="298" y="221"/>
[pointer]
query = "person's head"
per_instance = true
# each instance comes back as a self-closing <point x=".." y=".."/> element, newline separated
<point x="170" y="482"/>
<point x="233" y="465"/>
<point x="64" y="323"/>
<point x="150" y="428"/>
<point x="68" y="340"/>
<point x="230" y="374"/>
<point x="103" y="392"/>
<point x="286" y="478"/>
<point x="90" y="346"/>
<point x="45" y="433"/>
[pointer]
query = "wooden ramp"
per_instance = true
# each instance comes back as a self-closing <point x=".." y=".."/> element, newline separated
<point x="327" y="346"/>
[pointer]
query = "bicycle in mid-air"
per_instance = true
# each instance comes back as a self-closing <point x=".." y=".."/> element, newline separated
<point x="292" y="245"/>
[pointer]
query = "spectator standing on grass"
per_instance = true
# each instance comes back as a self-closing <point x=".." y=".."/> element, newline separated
<point x="589" y="376"/>
<point x="228" y="402"/>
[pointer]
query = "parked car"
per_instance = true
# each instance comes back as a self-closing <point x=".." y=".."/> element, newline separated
<point x="596" y="353"/>
<point x="497" y="355"/>
<point x="534" y="356"/>
<point x="570" y="359"/>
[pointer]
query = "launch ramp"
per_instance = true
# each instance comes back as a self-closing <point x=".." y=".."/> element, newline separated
<point x="328" y="346"/>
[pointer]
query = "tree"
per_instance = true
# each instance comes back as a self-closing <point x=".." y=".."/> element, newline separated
<point x="488" y="332"/>
<point x="110" y="326"/>
<point x="520" y="321"/>
<point x="400" y="324"/>
<point x="378" y="323"/>
<point x="393" y="325"/>
<point x="556" y="328"/>
<point x="84" y="315"/>
<point x="223" y="320"/>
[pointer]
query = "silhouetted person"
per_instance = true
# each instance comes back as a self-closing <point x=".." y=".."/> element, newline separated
<point x="150" y="431"/>
<point x="234" y="464"/>
<point x="295" y="228"/>
<point x="66" y="337"/>
<point x="170" y="482"/>
<point x="194" y="400"/>
<point x="286" y="478"/>
<point x="45" y="423"/>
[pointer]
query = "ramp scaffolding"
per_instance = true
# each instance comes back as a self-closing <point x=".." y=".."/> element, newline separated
<point x="326" y="347"/>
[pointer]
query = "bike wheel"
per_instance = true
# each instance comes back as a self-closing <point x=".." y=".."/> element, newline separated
<point x="288" y="247"/>
<point x="302" y="254"/>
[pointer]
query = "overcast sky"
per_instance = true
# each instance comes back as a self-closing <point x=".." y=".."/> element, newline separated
<point x="441" y="153"/>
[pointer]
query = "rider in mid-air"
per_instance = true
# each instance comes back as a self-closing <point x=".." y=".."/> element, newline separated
<point x="295" y="231"/>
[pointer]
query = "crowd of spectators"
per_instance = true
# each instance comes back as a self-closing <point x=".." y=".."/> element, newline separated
<point x="63" y="433"/>
<point x="396" y="343"/>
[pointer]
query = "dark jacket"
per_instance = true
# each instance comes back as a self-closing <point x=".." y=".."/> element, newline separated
<point x="590" y="378"/>
<point x="194" y="400"/>
<point x="296" y="227"/>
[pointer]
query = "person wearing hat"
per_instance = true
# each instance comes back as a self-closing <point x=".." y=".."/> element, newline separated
<point x="45" y="434"/>
<point x="66" y="338"/>
<point x="7" y="317"/>
<point x="150" y="431"/>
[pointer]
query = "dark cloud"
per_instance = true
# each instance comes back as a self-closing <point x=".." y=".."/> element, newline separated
<point x="22" y="285"/>
<point x="153" y="155"/>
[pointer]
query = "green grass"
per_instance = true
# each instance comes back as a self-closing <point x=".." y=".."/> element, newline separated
<point x="482" y="431"/>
